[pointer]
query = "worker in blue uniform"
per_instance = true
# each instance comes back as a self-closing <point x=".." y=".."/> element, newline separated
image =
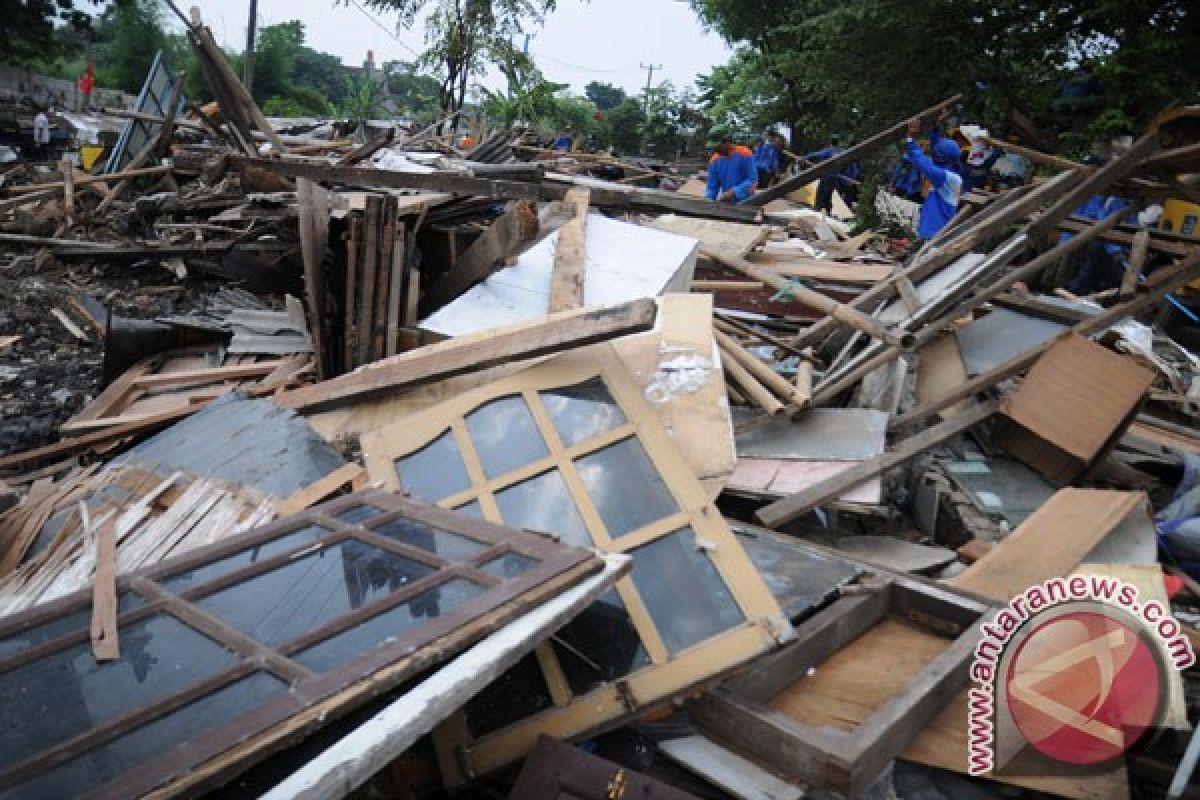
<point x="845" y="180"/>
<point x="943" y="173"/>
<point x="732" y="176"/>
<point x="564" y="142"/>
<point x="766" y="161"/>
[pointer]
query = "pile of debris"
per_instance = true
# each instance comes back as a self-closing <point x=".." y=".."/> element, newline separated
<point x="335" y="462"/>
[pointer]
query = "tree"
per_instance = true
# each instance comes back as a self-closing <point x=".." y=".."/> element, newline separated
<point x="464" y="36"/>
<point x="623" y="125"/>
<point x="28" y="31"/>
<point x="277" y="58"/>
<point x="604" y="95"/>
<point x="127" y="37"/>
<point x="411" y="90"/>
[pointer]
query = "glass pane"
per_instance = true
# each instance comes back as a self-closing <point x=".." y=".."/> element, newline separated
<point x="682" y="590"/>
<point x="444" y="544"/>
<point x="600" y="645"/>
<point x="291" y="541"/>
<point x="544" y="504"/>
<point x="435" y="471"/>
<point x="509" y="565"/>
<point x="279" y="605"/>
<point x="353" y="516"/>
<point x="505" y="435"/>
<point x="582" y="411"/>
<point x="85" y="773"/>
<point x="68" y="692"/>
<point x="75" y="621"/>
<point x="389" y="625"/>
<point x="625" y="487"/>
<point x="515" y="695"/>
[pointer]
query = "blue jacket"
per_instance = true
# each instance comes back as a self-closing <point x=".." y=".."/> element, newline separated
<point x="1097" y="207"/>
<point x="977" y="174"/>
<point x="850" y="170"/>
<point x="562" y="144"/>
<point x="735" y="171"/>
<point x="766" y="156"/>
<point x="945" y="188"/>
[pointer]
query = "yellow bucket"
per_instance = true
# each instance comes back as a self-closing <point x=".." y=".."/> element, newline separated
<point x="89" y="154"/>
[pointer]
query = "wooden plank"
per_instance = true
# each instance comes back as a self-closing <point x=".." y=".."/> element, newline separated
<point x="366" y="319"/>
<point x="729" y="771"/>
<point x="396" y="293"/>
<point x="314" y="239"/>
<point x="570" y="257"/>
<point x="1051" y="542"/>
<point x="939" y="371"/>
<point x="858" y="151"/>
<point x="351" y="305"/>
<point x="365" y="151"/>
<point x="69" y="324"/>
<point x="502" y="239"/>
<point x="1167" y="280"/>
<point x="1077" y="397"/>
<point x="822" y="269"/>
<point x="412" y="300"/>
<point x="383" y="280"/>
<point x="200" y="376"/>
<point x="769" y="378"/>
<point x="789" y="508"/>
<point x="68" y="171"/>
<point x="320" y="489"/>
<point x="718" y="235"/>
<point x="446" y="359"/>
<point x="105" y="645"/>
<point x="727" y="286"/>
<point x="87" y="180"/>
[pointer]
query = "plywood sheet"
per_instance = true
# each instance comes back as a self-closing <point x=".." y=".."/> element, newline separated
<point x="940" y="370"/>
<point x="1052" y="542"/>
<point x="715" y="235"/>
<point x="623" y="262"/>
<point x="847" y="688"/>
<point x="822" y="434"/>
<point x="1077" y="395"/>
<point x="822" y="269"/>
<point x="779" y="478"/>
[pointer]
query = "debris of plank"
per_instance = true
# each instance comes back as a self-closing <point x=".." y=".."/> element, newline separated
<point x="570" y="255"/>
<point x="557" y="769"/>
<point x="105" y="645"/>
<point x="69" y="324"/>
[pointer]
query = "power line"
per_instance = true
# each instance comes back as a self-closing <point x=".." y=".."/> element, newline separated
<point x="649" y="78"/>
<point x="384" y="28"/>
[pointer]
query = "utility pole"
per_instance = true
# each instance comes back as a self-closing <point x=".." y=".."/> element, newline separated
<point x="248" y="57"/>
<point x="649" y="78"/>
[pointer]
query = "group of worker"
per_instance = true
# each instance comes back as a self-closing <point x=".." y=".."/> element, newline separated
<point x="735" y="172"/>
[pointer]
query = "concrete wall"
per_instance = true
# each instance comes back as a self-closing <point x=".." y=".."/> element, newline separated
<point x="17" y="82"/>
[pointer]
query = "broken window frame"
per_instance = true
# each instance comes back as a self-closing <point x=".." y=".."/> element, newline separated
<point x="668" y="675"/>
<point x="739" y="713"/>
<point x="218" y="754"/>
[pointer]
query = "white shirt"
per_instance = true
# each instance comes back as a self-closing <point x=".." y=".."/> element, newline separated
<point x="41" y="129"/>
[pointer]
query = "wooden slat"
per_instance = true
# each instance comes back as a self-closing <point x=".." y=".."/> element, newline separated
<point x="1051" y="542"/>
<point x="446" y="359"/>
<point x="320" y="489"/>
<point x="105" y="645"/>
<point x="370" y="260"/>
<point x="314" y="238"/>
<point x="396" y="293"/>
<point x="566" y="281"/>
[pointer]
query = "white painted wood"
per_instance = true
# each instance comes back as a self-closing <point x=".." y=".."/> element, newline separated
<point x="380" y="740"/>
<point x="623" y="262"/>
<point x="728" y="771"/>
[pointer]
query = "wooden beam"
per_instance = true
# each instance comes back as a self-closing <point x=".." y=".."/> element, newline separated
<point x="320" y="489"/>
<point x="314" y="239"/>
<point x="502" y="239"/>
<point x="765" y="375"/>
<point x="1036" y="156"/>
<point x="566" y="281"/>
<point x="860" y="150"/>
<point x="789" y="508"/>
<point x="1095" y="183"/>
<point x="446" y="359"/>
<point x="367" y="150"/>
<point x="105" y="645"/>
<point x="68" y="171"/>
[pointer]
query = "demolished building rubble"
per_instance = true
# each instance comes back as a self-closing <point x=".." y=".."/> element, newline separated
<point x="330" y="462"/>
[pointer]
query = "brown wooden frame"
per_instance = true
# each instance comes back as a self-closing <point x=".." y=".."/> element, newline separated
<point x="737" y="713"/>
<point x="217" y="755"/>
<point x="668" y="675"/>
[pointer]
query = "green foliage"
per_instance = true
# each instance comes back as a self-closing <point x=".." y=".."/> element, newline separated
<point x="361" y="100"/>
<point x="605" y="96"/>
<point x="128" y="35"/>
<point x="413" y="92"/>
<point x="622" y="127"/>
<point x="856" y="66"/>
<point x="28" y="34"/>
<point x="464" y="36"/>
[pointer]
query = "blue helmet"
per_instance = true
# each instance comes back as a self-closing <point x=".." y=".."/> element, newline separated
<point x="947" y="151"/>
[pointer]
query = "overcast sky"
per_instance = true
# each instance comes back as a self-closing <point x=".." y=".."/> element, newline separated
<point x="601" y="40"/>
